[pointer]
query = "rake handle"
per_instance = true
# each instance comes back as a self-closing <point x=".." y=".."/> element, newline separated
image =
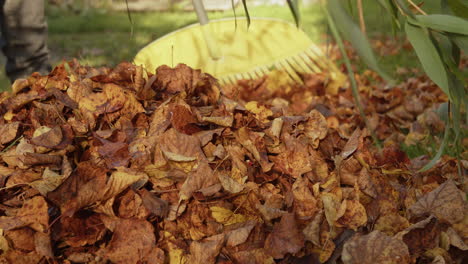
<point x="201" y="12"/>
<point x="213" y="49"/>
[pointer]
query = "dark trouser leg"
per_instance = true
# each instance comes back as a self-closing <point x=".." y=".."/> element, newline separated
<point x="24" y="37"/>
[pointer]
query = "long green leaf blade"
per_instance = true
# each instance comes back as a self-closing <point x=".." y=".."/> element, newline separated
<point x="445" y="23"/>
<point x="439" y="152"/>
<point x="428" y="56"/>
<point x="461" y="41"/>
<point x="244" y="3"/>
<point x="294" y="7"/>
<point x="352" y="33"/>
<point x="233" y="5"/>
<point x="459" y="8"/>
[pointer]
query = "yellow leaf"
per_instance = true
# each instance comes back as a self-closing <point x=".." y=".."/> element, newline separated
<point x="226" y="216"/>
<point x="261" y="112"/>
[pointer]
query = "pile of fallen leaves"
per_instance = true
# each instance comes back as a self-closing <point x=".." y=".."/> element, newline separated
<point x="118" y="165"/>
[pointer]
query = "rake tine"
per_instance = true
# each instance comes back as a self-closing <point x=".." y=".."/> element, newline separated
<point x="310" y="63"/>
<point x="299" y="65"/>
<point x="312" y="56"/>
<point x="292" y="74"/>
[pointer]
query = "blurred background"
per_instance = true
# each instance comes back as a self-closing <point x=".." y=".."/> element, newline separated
<point x="103" y="32"/>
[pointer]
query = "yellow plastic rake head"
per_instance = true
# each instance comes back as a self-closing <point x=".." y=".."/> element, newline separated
<point x="244" y="52"/>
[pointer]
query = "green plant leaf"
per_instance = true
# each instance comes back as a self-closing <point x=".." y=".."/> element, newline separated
<point x="390" y="8"/>
<point x="439" y="153"/>
<point x="445" y="23"/>
<point x="294" y="7"/>
<point x="235" y="15"/>
<point x="244" y="3"/>
<point x="461" y="41"/>
<point x="352" y="33"/>
<point x="428" y="55"/>
<point x="458" y="7"/>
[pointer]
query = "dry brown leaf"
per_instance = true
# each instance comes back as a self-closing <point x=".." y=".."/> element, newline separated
<point x="331" y="204"/>
<point x="181" y="145"/>
<point x="352" y="144"/>
<point x="305" y="203"/>
<point x="254" y="143"/>
<point x="446" y="202"/>
<point x="354" y="217"/>
<point x="375" y="247"/>
<point x="43" y="244"/>
<point x="49" y="182"/>
<point x="8" y="132"/>
<point x="20" y="239"/>
<point x="206" y="250"/>
<point x="47" y="137"/>
<point x="85" y="186"/>
<point x="239" y="235"/>
<point x="130" y="206"/>
<point x="229" y="184"/>
<point x="131" y="241"/>
<point x="316" y="127"/>
<point x="202" y="177"/>
<point x="19" y="257"/>
<point x="391" y="224"/>
<point x="154" y="204"/>
<point x="255" y="256"/>
<point x="312" y="230"/>
<point x="285" y="238"/>
<point x="456" y="239"/>
<point x="81" y="230"/>
<point x="421" y="236"/>
<point x="34" y="214"/>
<point x="114" y="154"/>
<point x="295" y="161"/>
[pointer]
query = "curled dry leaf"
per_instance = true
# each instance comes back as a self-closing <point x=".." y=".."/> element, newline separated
<point x="375" y="247"/>
<point x="49" y="182"/>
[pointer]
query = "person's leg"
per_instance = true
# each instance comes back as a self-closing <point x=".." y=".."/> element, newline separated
<point x="24" y="37"/>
